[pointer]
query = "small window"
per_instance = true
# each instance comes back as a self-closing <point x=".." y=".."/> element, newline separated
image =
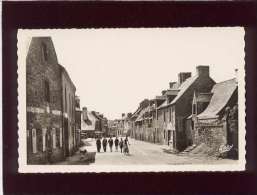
<point x="65" y="96"/>
<point x="170" y="113"/>
<point x="194" y="108"/>
<point x="44" y="52"/>
<point x="47" y="91"/>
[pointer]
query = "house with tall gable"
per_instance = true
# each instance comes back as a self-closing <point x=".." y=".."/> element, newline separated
<point x="89" y="123"/>
<point x="50" y="100"/>
<point x="217" y="124"/>
<point x="180" y="108"/>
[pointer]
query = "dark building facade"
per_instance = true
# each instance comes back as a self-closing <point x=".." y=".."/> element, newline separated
<point x="44" y="99"/>
<point x="181" y="106"/>
<point x="78" y="112"/>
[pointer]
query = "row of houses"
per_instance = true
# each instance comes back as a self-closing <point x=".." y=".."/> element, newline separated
<point x="120" y="127"/>
<point x="54" y="117"/>
<point x="193" y="110"/>
<point x="93" y="124"/>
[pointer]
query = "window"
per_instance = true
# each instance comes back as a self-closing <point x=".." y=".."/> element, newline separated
<point x="44" y="52"/>
<point x="164" y="115"/>
<point x="65" y="101"/>
<point x="194" y="109"/>
<point x="39" y="140"/>
<point x="47" y="91"/>
<point x="69" y="104"/>
<point x="170" y="113"/>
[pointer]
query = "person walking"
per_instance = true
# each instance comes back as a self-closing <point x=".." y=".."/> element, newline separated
<point x="98" y="144"/>
<point x="116" y="142"/>
<point x="121" y="145"/>
<point x="110" y="142"/>
<point x="126" y="143"/>
<point x="104" y="142"/>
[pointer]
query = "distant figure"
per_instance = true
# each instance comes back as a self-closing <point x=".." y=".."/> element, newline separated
<point x="121" y="145"/>
<point x="98" y="144"/>
<point x="116" y="142"/>
<point x="126" y="143"/>
<point x="110" y="141"/>
<point x="104" y="144"/>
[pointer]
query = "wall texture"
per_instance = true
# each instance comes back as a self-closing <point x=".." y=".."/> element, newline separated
<point x="43" y="107"/>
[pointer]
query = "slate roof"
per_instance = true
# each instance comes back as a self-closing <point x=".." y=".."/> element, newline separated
<point x="143" y="111"/>
<point x="222" y="93"/>
<point x="164" y="104"/>
<point x="183" y="87"/>
<point x="135" y="114"/>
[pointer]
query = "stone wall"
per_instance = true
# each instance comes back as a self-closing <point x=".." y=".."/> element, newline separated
<point x="68" y="96"/>
<point x="183" y="108"/>
<point x="43" y="96"/>
<point x="213" y="134"/>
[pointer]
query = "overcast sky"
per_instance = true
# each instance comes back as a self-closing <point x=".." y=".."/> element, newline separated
<point x="114" y="69"/>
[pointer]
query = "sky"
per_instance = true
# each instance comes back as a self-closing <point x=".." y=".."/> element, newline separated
<point x="115" y="69"/>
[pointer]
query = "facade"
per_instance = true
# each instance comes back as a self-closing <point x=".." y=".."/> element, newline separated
<point x="163" y="119"/>
<point x="181" y="106"/>
<point x="93" y="123"/>
<point x="45" y="114"/>
<point x="68" y="96"/>
<point x="78" y="112"/>
<point x="89" y="123"/>
<point x="217" y="124"/>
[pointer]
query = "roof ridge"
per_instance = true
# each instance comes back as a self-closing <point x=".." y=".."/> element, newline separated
<point x="226" y="81"/>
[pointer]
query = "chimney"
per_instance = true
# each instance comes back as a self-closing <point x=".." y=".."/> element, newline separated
<point x="84" y="113"/>
<point x="202" y="70"/>
<point x="182" y="76"/>
<point x="172" y="84"/>
<point x="236" y="75"/>
<point x="163" y="92"/>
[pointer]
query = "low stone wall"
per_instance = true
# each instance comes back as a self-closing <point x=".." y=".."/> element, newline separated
<point x="212" y="134"/>
<point x="41" y="157"/>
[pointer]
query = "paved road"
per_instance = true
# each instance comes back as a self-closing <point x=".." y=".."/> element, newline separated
<point x="143" y="153"/>
<point x="148" y="153"/>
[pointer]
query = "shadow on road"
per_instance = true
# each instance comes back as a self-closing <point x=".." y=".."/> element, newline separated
<point x="169" y="151"/>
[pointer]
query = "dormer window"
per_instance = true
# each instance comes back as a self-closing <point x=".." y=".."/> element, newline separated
<point x="44" y="52"/>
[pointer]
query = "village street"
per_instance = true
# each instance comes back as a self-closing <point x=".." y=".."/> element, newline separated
<point x="141" y="153"/>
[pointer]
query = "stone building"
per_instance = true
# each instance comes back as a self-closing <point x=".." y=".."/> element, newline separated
<point x="44" y="97"/>
<point x="180" y="107"/>
<point x="77" y="121"/>
<point x="68" y="96"/>
<point x="217" y="124"/>
<point x="89" y="123"/>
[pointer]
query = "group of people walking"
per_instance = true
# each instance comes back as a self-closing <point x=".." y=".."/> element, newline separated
<point x="122" y="144"/>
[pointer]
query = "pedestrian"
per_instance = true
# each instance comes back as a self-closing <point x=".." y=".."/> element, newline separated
<point x="110" y="141"/>
<point x="98" y="144"/>
<point x="121" y="145"/>
<point x="116" y="142"/>
<point x="104" y="142"/>
<point x="126" y="143"/>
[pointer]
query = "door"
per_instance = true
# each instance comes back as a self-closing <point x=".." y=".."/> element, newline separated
<point x="169" y="135"/>
<point x="66" y="137"/>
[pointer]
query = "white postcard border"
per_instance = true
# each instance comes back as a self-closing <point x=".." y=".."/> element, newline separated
<point x="239" y="165"/>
